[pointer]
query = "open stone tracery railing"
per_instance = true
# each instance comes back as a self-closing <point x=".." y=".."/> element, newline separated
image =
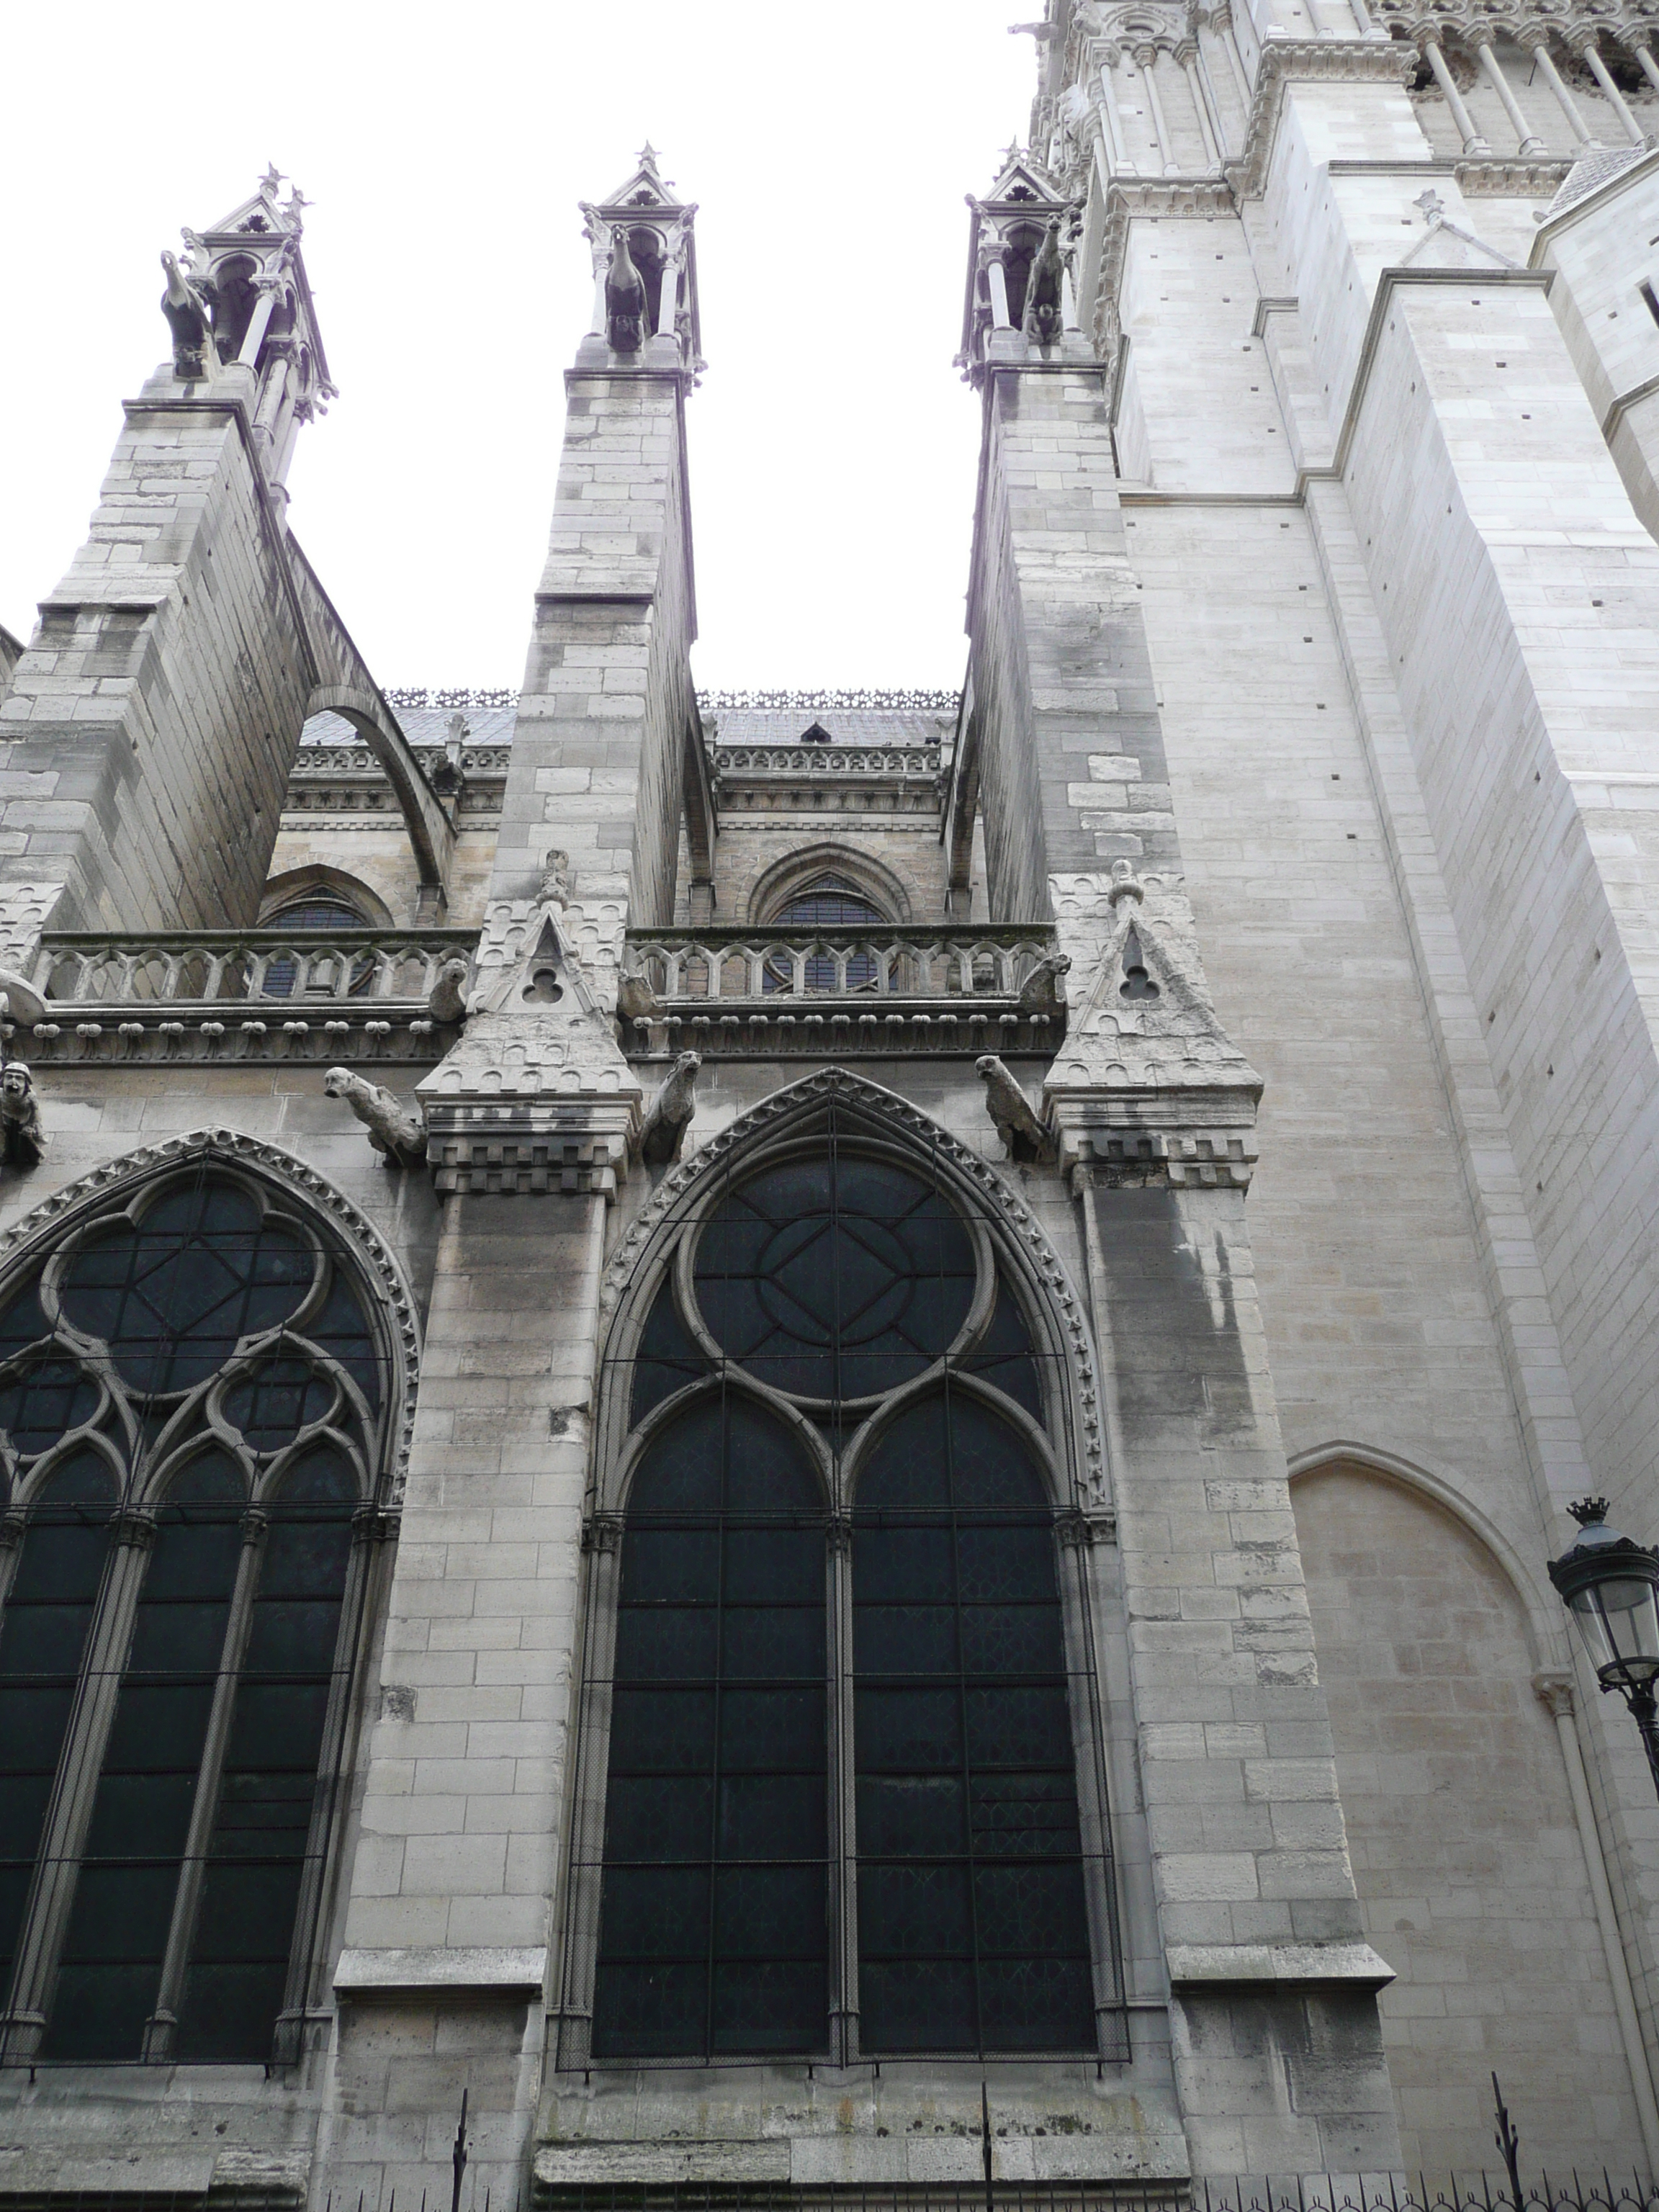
<point x="758" y="993"/>
<point x="831" y="760"/>
<point x="241" y="994"/>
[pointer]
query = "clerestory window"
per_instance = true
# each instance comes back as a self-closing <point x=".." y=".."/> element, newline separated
<point x="829" y="903"/>
<point x="194" y="1400"/>
<point x="834" y="1702"/>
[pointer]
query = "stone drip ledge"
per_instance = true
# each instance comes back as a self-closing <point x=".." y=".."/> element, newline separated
<point x="438" y="1969"/>
<point x="1137" y="2144"/>
<point x="229" y="2181"/>
<point x="82" y="1037"/>
<point x="1196" y="1967"/>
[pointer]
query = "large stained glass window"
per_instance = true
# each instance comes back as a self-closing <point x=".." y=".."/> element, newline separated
<point x="828" y="1688"/>
<point x="192" y="1401"/>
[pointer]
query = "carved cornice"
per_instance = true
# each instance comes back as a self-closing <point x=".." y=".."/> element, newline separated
<point x="801" y="1101"/>
<point x="44" y="1225"/>
<point x="377" y="1035"/>
<point x="1324" y="60"/>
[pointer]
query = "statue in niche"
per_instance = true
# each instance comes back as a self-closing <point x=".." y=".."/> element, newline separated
<point x="1045" y="290"/>
<point x="624" y="297"/>
<point x="22" y="1131"/>
<point x="185" y="307"/>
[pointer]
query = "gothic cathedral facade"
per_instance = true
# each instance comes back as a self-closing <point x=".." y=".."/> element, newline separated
<point x="810" y="1440"/>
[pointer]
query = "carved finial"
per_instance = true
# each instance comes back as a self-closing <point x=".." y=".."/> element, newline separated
<point x="1125" y="884"/>
<point x="22" y="1131"/>
<point x="396" y="1133"/>
<point x="1433" y="207"/>
<point x="270" y="182"/>
<point x="1585" y="1510"/>
<point x="665" y="1123"/>
<point x="1019" y="1127"/>
<point x="647" y="156"/>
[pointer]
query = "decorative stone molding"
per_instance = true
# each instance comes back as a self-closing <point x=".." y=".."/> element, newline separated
<point x="111" y="1181"/>
<point x="1556" y="1691"/>
<point x="535" y="1098"/>
<point x="799" y="1101"/>
<point x="1284" y="61"/>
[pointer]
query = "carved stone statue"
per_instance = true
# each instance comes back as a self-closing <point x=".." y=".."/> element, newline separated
<point x="670" y="1113"/>
<point x="398" y="1134"/>
<point x="447" y="1000"/>
<point x="624" y="297"/>
<point x="1045" y="290"/>
<point x="635" y="999"/>
<point x="555" y="885"/>
<point x="1040" y="993"/>
<point x="22" y="1131"/>
<point x="186" y="310"/>
<point x="1016" y="1125"/>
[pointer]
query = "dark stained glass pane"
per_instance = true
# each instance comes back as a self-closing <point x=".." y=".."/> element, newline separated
<point x="834" y="1278"/>
<point x="251" y="1886"/>
<point x="973" y="1932"/>
<point x="173" y="1297"/>
<point x="141" y="1812"/>
<point x="1003" y="1356"/>
<point x="713" y="1926"/>
<point x="667" y="1358"/>
<point x="43" y="1634"/>
<point x="43" y="1402"/>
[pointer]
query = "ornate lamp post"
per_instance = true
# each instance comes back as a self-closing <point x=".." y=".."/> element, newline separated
<point x="1611" y="1588"/>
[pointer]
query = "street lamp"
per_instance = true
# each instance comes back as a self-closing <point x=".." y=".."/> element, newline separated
<point x="1611" y="1588"/>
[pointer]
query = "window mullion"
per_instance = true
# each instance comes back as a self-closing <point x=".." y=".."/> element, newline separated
<point x="843" y="1809"/>
<point x="160" y="2029"/>
<point x="45" y="1917"/>
<point x="12" y="1526"/>
<point x="370" y="1528"/>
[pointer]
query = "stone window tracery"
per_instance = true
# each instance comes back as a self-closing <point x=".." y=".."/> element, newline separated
<point x="195" y="1396"/>
<point x="839" y="1792"/>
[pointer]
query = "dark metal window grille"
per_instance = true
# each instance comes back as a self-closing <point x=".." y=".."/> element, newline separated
<point x="192" y="1401"/>
<point x="835" y="1737"/>
<point x="829" y="904"/>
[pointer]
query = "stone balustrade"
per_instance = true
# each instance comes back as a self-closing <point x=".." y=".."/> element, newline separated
<point x="758" y="993"/>
<point x="830" y="761"/>
<point x="346" y="995"/>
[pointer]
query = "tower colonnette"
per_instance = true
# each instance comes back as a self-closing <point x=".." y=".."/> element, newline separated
<point x="834" y="1459"/>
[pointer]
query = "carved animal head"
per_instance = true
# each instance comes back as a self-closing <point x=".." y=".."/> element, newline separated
<point x="16" y="1086"/>
<point x="987" y="1064"/>
<point x="341" y="1083"/>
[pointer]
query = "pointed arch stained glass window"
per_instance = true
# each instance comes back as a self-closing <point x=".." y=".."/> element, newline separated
<point x="191" y="1404"/>
<point x="812" y="1845"/>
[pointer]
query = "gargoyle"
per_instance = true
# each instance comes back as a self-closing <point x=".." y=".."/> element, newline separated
<point x="1016" y="1125"/>
<point x="185" y="308"/>
<point x="1040" y="993"/>
<point x="447" y="1000"/>
<point x="22" y="1131"/>
<point x="398" y="1134"/>
<point x="624" y="297"/>
<point x="670" y="1113"/>
<point x="635" y="999"/>
<point x="1044" y="291"/>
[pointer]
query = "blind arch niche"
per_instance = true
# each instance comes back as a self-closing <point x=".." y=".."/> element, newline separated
<point x="839" y="1402"/>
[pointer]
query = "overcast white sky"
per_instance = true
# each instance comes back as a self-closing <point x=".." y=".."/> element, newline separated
<point x="829" y="149"/>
